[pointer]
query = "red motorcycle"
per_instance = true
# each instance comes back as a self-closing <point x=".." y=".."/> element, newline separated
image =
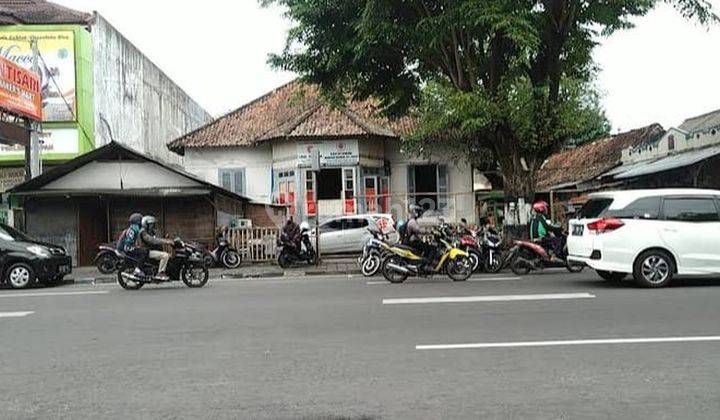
<point x="526" y="256"/>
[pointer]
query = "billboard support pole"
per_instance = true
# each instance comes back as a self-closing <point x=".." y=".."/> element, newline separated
<point x="35" y="165"/>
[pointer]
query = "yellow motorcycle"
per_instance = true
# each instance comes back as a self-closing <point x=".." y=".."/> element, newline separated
<point x="402" y="261"/>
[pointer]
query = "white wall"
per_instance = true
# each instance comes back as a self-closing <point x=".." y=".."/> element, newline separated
<point x="460" y="186"/>
<point x="257" y="161"/>
<point x="107" y="175"/>
<point x="142" y="106"/>
<point x="683" y="142"/>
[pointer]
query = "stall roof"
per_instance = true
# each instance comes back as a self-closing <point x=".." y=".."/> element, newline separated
<point x="667" y="163"/>
<point x="116" y="152"/>
<point x="39" y="12"/>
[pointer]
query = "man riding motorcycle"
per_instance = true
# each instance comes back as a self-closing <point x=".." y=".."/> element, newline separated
<point x="291" y="232"/>
<point x="541" y="229"/>
<point x="413" y="236"/>
<point x="152" y="242"/>
<point x="130" y="244"/>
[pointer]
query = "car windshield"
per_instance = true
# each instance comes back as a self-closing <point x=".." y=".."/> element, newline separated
<point x="8" y="233"/>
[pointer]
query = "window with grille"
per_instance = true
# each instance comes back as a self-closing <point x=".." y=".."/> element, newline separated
<point x="233" y="179"/>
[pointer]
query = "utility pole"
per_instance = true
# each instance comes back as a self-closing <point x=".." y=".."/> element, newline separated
<point x="315" y="163"/>
<point x="32" y="153"/>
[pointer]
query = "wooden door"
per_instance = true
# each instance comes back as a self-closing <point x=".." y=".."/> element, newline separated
<point x="93" y="229"/>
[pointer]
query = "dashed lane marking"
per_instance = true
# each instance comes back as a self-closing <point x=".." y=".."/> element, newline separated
<point x="600" y="341"/>
<point x="43" y="294"/>
<point x="497" y="298"/>
<point x="15" y="314"/>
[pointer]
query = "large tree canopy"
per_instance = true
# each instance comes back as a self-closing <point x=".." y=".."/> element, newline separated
<point x="510" y="76"/>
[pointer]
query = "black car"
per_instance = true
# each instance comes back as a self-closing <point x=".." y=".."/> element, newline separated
<point x="24" y="261"/>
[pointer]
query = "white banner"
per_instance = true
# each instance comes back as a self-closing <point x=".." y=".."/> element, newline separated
<point x="53" y="140"/>
<point x="333" y="153"/>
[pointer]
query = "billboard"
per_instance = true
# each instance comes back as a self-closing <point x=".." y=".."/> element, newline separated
<point x="57" y="68"/>
<point x="52" y="141"/>
<point x="20" y="90"/>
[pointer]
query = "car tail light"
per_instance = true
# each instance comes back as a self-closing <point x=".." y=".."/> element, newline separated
<point x="605" y="225"/>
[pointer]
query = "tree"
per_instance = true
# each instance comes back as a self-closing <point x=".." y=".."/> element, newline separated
<point x="511" y="76"/>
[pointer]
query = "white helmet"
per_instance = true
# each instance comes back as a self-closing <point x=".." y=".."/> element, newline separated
<point x="304" y="226"/>
<point x="147" y="221"/>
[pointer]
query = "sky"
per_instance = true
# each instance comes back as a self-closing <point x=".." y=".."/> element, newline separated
<point x="664" y="70"/>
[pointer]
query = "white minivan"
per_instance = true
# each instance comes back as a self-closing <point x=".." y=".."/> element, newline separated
<point x="651" y="234"/>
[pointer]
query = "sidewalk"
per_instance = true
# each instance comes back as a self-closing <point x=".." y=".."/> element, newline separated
<point x="330" y="266"/>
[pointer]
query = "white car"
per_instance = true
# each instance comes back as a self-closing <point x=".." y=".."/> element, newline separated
<point x="348" y="234"/>
<point x="651" y="234"/>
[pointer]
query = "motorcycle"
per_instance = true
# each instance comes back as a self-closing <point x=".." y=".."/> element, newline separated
<point x="224" y="253"/>
<point x="469" y="244"/>
<point x="373" y="253"/>
<point x="492" y="253"/>
<point x="290" y="253"/>
<point x="402" y="262"/>
<point x="186" y="264"/>
<point x="526" y="256"/>
<point x="106" y="260"/>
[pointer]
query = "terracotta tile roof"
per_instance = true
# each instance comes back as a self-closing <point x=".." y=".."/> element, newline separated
<point x="592" y="160"/>
<point x="39" y="12"/>
<point x="297" y="111"/>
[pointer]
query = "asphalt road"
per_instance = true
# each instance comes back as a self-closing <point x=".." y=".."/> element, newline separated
<point x="340" y="348"/>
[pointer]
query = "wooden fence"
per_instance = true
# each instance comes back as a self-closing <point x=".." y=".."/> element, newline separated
<point x="255" y="244"/>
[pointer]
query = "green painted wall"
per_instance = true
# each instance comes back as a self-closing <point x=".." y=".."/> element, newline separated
<point x="85" y="112"/>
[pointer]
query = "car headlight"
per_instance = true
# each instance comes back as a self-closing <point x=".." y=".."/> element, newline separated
<point x="39" y="251"/>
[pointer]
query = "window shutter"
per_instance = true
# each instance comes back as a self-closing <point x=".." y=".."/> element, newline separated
<point x="239" y="181"/>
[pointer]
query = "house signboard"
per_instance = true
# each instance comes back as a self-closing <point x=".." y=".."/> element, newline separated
<point x="333" y="153"/>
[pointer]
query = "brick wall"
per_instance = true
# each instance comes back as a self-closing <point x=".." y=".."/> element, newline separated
<point x="263" y="215"/>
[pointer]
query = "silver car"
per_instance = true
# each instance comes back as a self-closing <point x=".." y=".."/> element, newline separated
<point x="348" y="234"/>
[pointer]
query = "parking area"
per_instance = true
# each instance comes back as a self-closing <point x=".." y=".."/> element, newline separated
<point x="552" y="345"/>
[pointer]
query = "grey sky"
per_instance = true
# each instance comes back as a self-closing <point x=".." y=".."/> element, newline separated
<point x="664" y="70"/>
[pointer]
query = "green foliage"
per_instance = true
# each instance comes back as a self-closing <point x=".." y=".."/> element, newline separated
<point x="512" y="77"/>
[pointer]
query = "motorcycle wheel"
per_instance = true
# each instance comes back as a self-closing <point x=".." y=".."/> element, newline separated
<point x="128" y="284"/>
<point x="371" y="265"/>
<point x="283" y="260"/>
<point x="195" y="276"/>
<point x="475" y="259"/>
<point x="231" y="259"/>
<point x="520" y="266"/>
<point x="460" y="269"/>
<point x="107" y="263"/>
<point x="494" y="263"/>
<point x="391" y="275"/>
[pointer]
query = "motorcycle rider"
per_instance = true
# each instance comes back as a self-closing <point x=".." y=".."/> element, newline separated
<point x="152" y="242"/>
<point x="291" y="232"/>
<point x="413" y="235"/>
<point x="541" y="229"/>
<point x="130" y="244"/>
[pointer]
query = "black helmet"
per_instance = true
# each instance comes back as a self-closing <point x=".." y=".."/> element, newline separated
<point x="135" y="219"/>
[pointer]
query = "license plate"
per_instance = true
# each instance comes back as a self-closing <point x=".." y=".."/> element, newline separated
<point x="577" y="230"/>
<point x="64" y="269"/>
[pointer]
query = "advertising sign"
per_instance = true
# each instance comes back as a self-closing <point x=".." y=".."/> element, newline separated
<point x="52" y="140"/>
<point x="333" y="153"/>
<point x="20" y="90"/>
<point x="57" y="68"/>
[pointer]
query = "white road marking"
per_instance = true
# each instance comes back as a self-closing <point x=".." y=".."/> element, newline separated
<point x="478" y="279"/>
<point x="569" y="343"/>
<point x="498" y="298"/>
<point x="15" y="314"/>
<point x="41" y="294"/>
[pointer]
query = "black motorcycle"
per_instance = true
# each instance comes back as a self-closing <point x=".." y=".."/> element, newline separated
<point x="106" y="260"/>
<point x="291" y="253"/>
<point x="492" y="252"/>
<point x="186" y="264"/>
<point x="224" y="253"/>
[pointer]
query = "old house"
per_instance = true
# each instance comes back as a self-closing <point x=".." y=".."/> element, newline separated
<point x="264" y="149"/>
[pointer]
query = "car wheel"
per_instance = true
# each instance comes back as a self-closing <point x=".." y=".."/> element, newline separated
<point x="654" y="268"/>
<point x="20" y="275"/>
<point x="612" y="276"/>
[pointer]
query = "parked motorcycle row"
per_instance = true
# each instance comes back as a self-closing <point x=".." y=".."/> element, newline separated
<point x="460" y="252"/>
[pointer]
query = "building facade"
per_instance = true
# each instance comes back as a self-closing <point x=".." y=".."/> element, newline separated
<point x="265" y="151"/>
<point x="97" y="87"/>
